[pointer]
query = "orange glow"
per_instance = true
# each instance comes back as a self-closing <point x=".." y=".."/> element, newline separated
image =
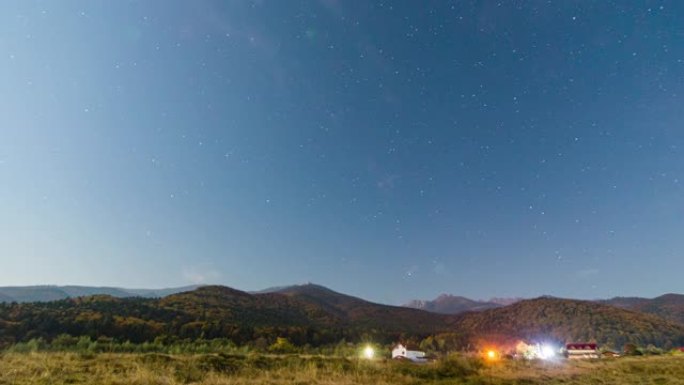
<point x="491" y="355"/>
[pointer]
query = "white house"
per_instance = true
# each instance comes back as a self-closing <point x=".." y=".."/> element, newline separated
<point x="582" y="350"/>
<point x="401" y="352"/>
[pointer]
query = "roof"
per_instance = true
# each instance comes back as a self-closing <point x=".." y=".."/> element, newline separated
<point x="581" y="346"/>
<point x="406" y="346"/>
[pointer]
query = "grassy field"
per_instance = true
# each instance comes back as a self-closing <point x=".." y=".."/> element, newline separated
<point x="217" y="369"/>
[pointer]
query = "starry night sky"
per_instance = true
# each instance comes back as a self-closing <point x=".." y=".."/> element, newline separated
<point x="390" y="150"/>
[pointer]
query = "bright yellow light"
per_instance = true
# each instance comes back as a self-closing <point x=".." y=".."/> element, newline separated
<point x="368" y="352"/>
<point x="491" y="355"/>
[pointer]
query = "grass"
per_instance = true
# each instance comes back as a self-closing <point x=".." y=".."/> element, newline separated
<point x="224" y="369"/>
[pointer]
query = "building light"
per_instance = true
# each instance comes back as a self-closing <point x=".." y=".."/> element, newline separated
<point x="368" y="352"/>
<point x="547" y="352"/>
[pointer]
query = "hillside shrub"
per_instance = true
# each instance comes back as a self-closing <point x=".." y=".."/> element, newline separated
<point x="449" y="367"/>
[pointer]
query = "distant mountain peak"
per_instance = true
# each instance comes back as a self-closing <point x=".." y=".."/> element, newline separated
<point x="218" y="290"/>
<point x="445" y="297"/>
<point x="671" y="296"/>
<point x="451" y="304"/>
<point x="503" y="301"/>
<point x="298" y="286"/>
<point x="305" y="288"/>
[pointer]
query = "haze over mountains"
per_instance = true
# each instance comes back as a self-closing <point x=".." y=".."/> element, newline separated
<point x="40" y="293"/>
<point x="313" y="314"/>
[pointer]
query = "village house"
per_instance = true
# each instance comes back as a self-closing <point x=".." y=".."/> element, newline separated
<point x="402" y="352"/>
<point x="581" y="350"/>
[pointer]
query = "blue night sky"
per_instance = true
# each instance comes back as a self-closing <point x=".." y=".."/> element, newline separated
<point x="390" y="150"/>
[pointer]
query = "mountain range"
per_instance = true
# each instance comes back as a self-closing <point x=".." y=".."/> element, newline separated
<point x="452" y="304"/>
<point x="668" y="306"/>
<point x="52" y="293"/>
<point x="315" y="315"/>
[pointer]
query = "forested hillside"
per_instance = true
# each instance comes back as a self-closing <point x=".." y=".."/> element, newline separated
<point x="316" y="316"/>
<point x="572" y="320"/>
<point x="668" y="306"/>
<point x="214" y="312"/>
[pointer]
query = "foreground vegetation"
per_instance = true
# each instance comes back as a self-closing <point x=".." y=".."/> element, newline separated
<point x="216" y="335"/>
<point x="215" y="369"/>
